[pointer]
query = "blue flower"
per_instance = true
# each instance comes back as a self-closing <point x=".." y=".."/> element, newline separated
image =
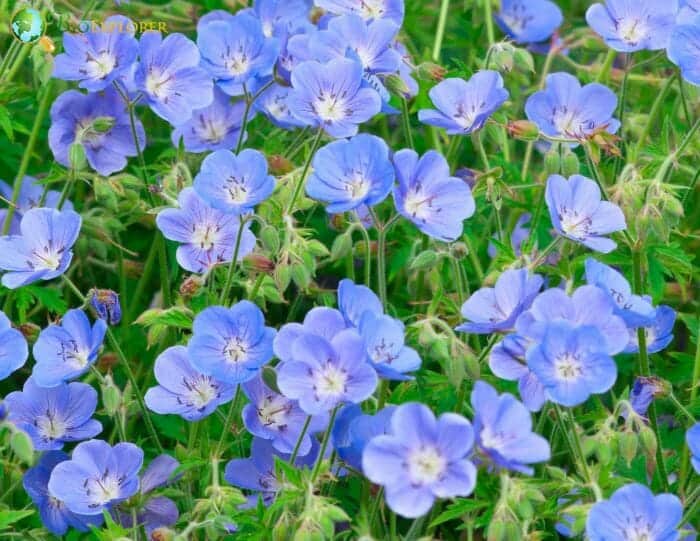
<point x="231" y="344"/>
<point x="634" y="512"/>
<point x="386" y="350"/>
<point x="465" y="106"/>
<point x="422" y="458"/>
<point x="320" y="321"/>
<point x="43" y="249"/>
<point x="406" y="69"/>
<point x="97" y="476"/>
<point x="392" y="10"/>
<point x="323" y="374"/>
<point x="235" y="51"/>
<point x="507" y="361"/>
<point x="688" y="10"/>
<point x="99" y="122"/>
<point x="633" y="25"/>
<point x="354" y="300"/>
<point x="331" y="96"/>
<point x="234" y="183"/>
<point x="692" y="437"/>
<point x="183" y="390"/>
<point x="156" y="511"/>
<point x="634" y="309"/>
<point x="684" y="48"/>
<point x="55" y="516"/>
<point x="97" y="58"/>
<point x="571" y="363"/>
<point x="529" y="21"/>
<point x="644" y="391"/>
<point x="281" y="16"/>
<point x="170" y="78"/>
<point x="503" y="428"/>
<point x="106" y="304"/>
<point x="214" y="127"/>
<point x="53" y="417"/>
<point x="271" y="416"/>
<point x="566" y="109"/>
<point x="207" y="236"/>
<point x="428" y="196"/>
<point x="659" y="331"/>
<point x="31" y="192"/>
<point x="353" y="430"/>
<point x="66" y="351"/>
<point x="13" y="348"/>
<point x="579" y="214"/>
<point x="495" y="309"/>
<point x="257" y="473"/>
<point x="274" y="104"/>
<point x="353" y="172"/>
<point x="368" y="42"/>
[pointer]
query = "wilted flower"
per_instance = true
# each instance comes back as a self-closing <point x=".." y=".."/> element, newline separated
<point x="644" y="391"/>
<point x="106" y="303"/>
<point x="529" y="21"/>
<point x="97" y="476"/>
<point x="421" y="458"/>
<point x="13" y="348"/>
<point x="684" y="48"/>
<point x="428" y="196"/>
<point x="465" y="106"/>
<point x="53" y="417"/>
<point x="66" y="351"/>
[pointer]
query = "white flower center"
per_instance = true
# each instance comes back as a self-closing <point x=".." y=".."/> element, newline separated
<point x="236" y="351"/>
<point x="632" y="30"/>
<point x="50" y="427"/>
<point x="48" y="259"/>
<point x="158" y="84"/>
<point x="267" y="29"/>
<point x="330" y="381"/>
<point x="101" y="65"/>
<point x="382" y="352"/>
<point x="236" y="189"/>
<point x="273" y="412"/>
<point x="212" y="130"/>
<point x="201" y="391"/>
<point x="237" y="64"/>
<point x="426" y="466"/>
<point x="639" y="533"/>
<point x="103" y="490"/>
<point x="330" y="108"/>
<point x="358" y="186"/>
<point x="371" y="9"/>
<point x="568" y="367"/>
<point x="205" y="236"/>
<point x="417" y="204"/>
<point x="573" y="224"/>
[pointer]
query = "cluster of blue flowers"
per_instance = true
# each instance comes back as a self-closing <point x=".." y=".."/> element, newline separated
<point x="558" y="342"/>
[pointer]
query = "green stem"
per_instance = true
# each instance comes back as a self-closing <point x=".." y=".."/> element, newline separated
<point x="488" y="19"/>
<point x="543" y="256"/>
<point x="27" y="156"/>
<point x="67" y="187"/>
<point x="229" y="421"/>
<point x="232" y="265"/>
<point x="324" y="444"/>
<point x="671" y="158"/>
<point x="453" y="149"/>
<point x="604" y="72"/>
<point x="304" y="429"/>
<point x="406" y="122"/>
<point x="461" y="393"/>
<point x="644" y="369"/>
<point x="143" y="281"/>
<point x="655" y="109"/>
<point x="302" y="178"/>
<point x="682" y="408"/>
<point x="17" y="63"/>
<point x="477" y="138"/>
<point x="440" y="31"/>
<point x="368" y="255"/>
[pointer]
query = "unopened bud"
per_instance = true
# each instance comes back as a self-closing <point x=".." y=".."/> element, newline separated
<point x="47" y="45"/>
<point x="396" y="85"/>
<point x="30" y="331"/>
<point x="111" y="395"/>
<point x="279" y="165"/>
<point x="523" y="130"/>
<point x="552" y="161"/>
<point x="501" y="56"/>
<point x="191" y="286"/>
<point x="569" y="164"/>
<point x="102" y="124"/>
<point x="459" y="250"/>
<point x="76" y="156"/>
<point x="429" y="70"/>
<point x="260" y="263"/>
<point x="132" y="269"/>
<point x="107" y="362"/>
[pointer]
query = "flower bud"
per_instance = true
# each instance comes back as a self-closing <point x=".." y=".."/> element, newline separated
<point x="552" y="161"/>
<point x="191" y="285"/>
<point x="102" y="124"/>
<point x="279" y="165"/>
<point x="47" y="45"/>
<point x="501" y="56"/>
<point x="523" y="130"/>
<point x="429" y="70"/>
<point x="569" y="164"/>
<point x="162" y="534"/>
<point x="76" y="156"/>
<point x="30" y="331"/>
<point x="270" y="238"/>
<point x="107" y="362"/>
<point x="106" y="303"/>
<point x="260" y="263"/>
<point x="111" y="395"/>
<point x="424" y="260"/>
<point x="396" y="85"/>
<point x="459" y="250"/>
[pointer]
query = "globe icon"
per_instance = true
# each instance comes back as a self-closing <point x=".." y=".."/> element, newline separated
<point x="27" y="25"/>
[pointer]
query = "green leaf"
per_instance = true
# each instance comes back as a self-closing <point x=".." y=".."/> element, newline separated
<point x="457" y="510"/>
<point x="177" y="316"/>
<point x="9" y="517"/>
<point x="51" y="299"/>
<point x="6" y="124"/>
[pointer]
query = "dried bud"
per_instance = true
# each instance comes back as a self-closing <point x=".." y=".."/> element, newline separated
<point x="191" y="285"/>
<point x="107" y="362"/>
<point x="47" y="45"/>
<point x="279" y="165"/>
<point x="133" y="269"/>
<point x="523" y="130"/>
<point x="429" y="70"/>
<point x="106" y="304"/>
<point x="260" y="263"/>
<point x="459" y="250"/>
<point x="30" y="331"/>
<point x="162" y="534"/>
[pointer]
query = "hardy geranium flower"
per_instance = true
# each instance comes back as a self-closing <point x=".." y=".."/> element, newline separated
<point x="507" y="361"/>
<point x="106" y="304"/>
<point x="465" y="106"/>
<point x="53" y="417"/>
<point x="169" y="76"/>
<point x="323" y="374"/>
<point x="572" y="363"/>
<point x="271" y="416"/>
<point x="688" y="10"/>
<point x="13" y="348"/>
<point x="428" y="196"/>
<point x="353" y="430"/>
<point x="393" y="10"/>
<point x="643" y="392"/>
<point x="99" y="122"/>
<point x="66" y="351"/>
<point x="234" y="183"/>
<point x="692" y="437"/>
<point x="353" y="172"/>
<point x="31" y="193"/>
<point x="634" y="309"/>
<point x="579" y="214"/>
<point x="97" y="476"/>
<point x="183" y="390"/>
<point x="495" y="309"/>
<point x="55" y="516"/>
<point x="421" y="458"/>
<point x="503" y="428"/>
<point x="634" y="512"/>
<point x="684" y="48"/>
<point x="659" y="331"/>
<point x="98" y="58"/>
<point x="354" y="300"/>
<point x="42" y="250"/>
<point x="215" y="127"/>
<point x="321" y="321"/>
<point x="529" y="21"/>
<point x="566" y="109"/>
<point x="633" y="25"/>
<point x="231" y="344"/>
<point x="273" y="103"/>
<point x="207" y="236"/>
<point x="368" y="42"/>
<point x="386" y="350"/>
<point x="235" y="51"/>
<point x="331" y="96"/>
<point x="281" y="16"/>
